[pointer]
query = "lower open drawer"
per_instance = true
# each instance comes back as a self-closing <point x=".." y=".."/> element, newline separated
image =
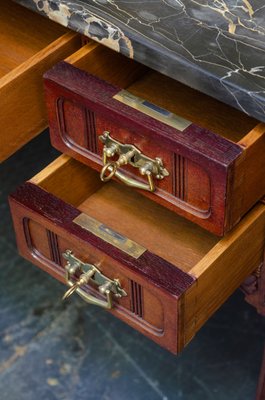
<point x="161" y="274"/>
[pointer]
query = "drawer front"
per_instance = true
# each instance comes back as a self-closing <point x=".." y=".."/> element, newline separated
<point x="28" y="51"/>
<point x="198" y="164"/>
<point x="153" y="287"/>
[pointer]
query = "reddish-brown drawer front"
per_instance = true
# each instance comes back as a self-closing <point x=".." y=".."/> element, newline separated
<point x="45" y="230"/>
<point x="200" y="164"/>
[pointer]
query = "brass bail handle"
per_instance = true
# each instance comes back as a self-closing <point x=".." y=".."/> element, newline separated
<point x="110" y="167"/>
<point x="128" y="154"/>
<point x="83" y="280"/>
<point x="105" y="285"/>
<point x="113" y="166"/>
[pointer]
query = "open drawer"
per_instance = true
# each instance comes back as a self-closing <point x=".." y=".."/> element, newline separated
<point x="191" y="153"/>
<point x="158" y="272"/>
<point x="29" y="45"/>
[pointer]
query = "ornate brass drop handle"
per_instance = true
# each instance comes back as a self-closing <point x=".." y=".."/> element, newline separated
<point x="129" y="154"/>
<point x="90" y="273"/>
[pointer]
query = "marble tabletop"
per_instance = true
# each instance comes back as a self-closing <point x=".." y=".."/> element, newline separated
<point x="214" y="46"/>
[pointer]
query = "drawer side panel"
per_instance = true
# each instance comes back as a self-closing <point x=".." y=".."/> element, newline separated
<point x="23" y="113"/>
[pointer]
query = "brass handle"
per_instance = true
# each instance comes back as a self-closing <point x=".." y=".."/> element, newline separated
<point x="90" y="272"/>
<point x="112" y="168"/>
<point x="75" y="288"/>
<point x="129" y="154"/>
<point x="83" y="280"/>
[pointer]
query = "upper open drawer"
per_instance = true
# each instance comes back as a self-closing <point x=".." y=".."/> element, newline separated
<point x="29" y="45"/>
<point x="185" y="150"/>
<point x="171" y="274"/>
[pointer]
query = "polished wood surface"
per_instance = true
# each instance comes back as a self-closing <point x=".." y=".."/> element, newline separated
<point x="213" y="179"/>
<point x="29" y="46"/>
<point x="185" y="274"/>
<point x="194" y="106"/>
<point x="249" y="173"/>
<point x="106" y="64"/>
<point x="19" y="39"/>
<point x="226" y="265"/>
<point x="45" y="228"/>
<point x="127" y="212"/>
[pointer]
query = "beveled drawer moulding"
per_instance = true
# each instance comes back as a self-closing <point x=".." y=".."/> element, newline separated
<point x="212" y="155"/>
<point x="158" y="272"/>
<point x="30" y="44"/>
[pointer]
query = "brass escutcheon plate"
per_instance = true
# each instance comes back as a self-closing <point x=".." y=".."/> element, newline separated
<point x="107" y="234"/>
<point x="152" y="110"/>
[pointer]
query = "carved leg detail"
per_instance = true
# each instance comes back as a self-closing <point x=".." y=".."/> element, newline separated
<point x="254" y="289"/>
<point x="261" y="383"/>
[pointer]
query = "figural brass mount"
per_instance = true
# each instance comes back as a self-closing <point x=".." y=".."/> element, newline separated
<point x="89" y="273"/>
<point x="129" y="154"/>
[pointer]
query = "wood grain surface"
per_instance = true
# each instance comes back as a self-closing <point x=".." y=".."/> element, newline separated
<point x="27" y="50"/>
<point x="175" y="286"/>
<point x="216" y="165"/>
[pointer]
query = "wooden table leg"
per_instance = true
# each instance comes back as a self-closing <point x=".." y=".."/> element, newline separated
<point x="261" y="383"/>
<point x="254" y="289"/>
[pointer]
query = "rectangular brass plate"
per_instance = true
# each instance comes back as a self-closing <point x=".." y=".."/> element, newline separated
<point x="110" y="236"/>
<point x="152" y="110"/>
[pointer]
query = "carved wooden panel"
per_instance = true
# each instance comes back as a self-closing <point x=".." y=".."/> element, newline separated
<point x="55" y="254"/>
<point x="77" y="126"/>
<point x="137" y="299"/>
<point x="80" y="129"/>
<point x="180" y="179"/>
<point x="45" y="230"/>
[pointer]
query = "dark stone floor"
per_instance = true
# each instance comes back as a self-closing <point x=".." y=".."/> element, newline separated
<point x="73" y="351"/>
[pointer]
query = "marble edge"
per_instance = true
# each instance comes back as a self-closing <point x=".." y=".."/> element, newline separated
<point x="242" y="90"/>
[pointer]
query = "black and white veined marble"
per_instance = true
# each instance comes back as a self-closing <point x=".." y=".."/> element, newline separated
<point x="214" y="46"/>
